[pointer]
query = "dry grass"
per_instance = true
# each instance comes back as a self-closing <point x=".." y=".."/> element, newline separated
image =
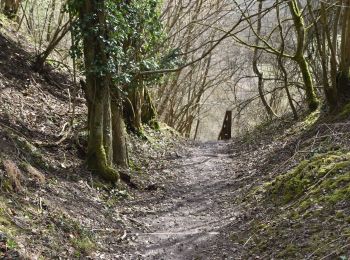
<point x="35" y="174"/>
<point x="14" y="176"/>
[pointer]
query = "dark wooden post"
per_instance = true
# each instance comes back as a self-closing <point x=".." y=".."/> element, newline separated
<point x="225" y="133"/>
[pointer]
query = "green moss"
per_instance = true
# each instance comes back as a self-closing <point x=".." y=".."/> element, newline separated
<point x="6" y="185"/>
<point x="344" y="112"/>
<point x="154" y="124"/>
<point x="340" y="194"/>
<point x="134" y="166"/>
<point x="6" y="225"/>
<point x="167" y="130"/>
<point x="310" y="119"/>
<point x="32" y="154"/>
<point x="97" y="162"/>
<point x="304" y="205"/>
<point x="340" y="214"/>
<point x="290" y="251"/>
<point x="315" y="196"/>
<point x="325" y="174"/>
<point x="11" y="243"/>
<point x="84" y="245"/>
<point x="80" y="238"/>
<point x="5" y="22"/>
<point x="295" y="215"/>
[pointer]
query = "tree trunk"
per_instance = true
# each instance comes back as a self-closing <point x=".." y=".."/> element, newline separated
<point x="343" y="79"/>
<point x="107" y="125"/>
<point x="149" y="114"/>
<point x="10" y="7"/>
<point x="282" y="67"/>
<point x="299" y="57"/>
<point x="133" y="106"/>
<point x="120" y="156"/>
<point x="285" y="82"/>
<point x="321" y="37"/>
<point x="311" y="98"/>
<point x="259" y="74"/>
<point x="50" y="22"/>
<point x="97" y="90"/>
<point x="97" y="156"/>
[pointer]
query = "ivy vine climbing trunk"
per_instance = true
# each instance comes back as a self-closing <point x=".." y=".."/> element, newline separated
<point x="97" y="89"/>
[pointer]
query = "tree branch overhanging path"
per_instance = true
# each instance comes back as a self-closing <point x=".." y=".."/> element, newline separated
<point x="226" y="35"/>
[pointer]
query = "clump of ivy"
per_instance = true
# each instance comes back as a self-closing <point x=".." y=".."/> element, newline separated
<point x="133" y="43"/>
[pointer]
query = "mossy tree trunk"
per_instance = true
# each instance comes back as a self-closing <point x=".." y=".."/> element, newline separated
<point x="299" y="57"/>
<point x="311" y="98"/>
<point x="149" y="114"/>
<point x="97" y="90"/>
<point x="139" y="109"/>
<point x="10" y="7"/>
<point x="98" y="153"/>
<point x="136" y="97"/>
<point x="343" y="79"/>
<point x="120" y="156"/>
<point x="322" y="37"/>
<point x="107" y="125"/>
<point x="133" y="105"/>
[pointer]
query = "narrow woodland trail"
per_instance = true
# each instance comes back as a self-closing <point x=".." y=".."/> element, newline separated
<point x="188" y="218"/>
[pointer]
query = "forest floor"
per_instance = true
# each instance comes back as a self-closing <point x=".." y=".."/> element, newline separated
<point x="281" y="191"/>
<point x="186" y="219"/>
<point x="216" y="202"/>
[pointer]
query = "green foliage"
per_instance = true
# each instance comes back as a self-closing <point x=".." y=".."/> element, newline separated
<point x="310" y="120"/>
<point x="81" y="239"/>
<point x="6" y="226"/>
<point x="290" y="251"/>
<point x="314" y="196"/>
<point x="84" y="245"/>
<point x="134" y="34"/>
<point x="325" y="177"/>
<point x="344" y="112"/>
<point x="11" y="244"/>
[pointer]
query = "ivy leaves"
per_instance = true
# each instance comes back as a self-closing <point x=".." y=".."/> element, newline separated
<point x="131" y="37"/>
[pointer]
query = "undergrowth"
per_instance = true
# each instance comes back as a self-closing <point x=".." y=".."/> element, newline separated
<point x="307" y="208"/>
<point x="6" y="226"/>
<point x="323" y="178"/>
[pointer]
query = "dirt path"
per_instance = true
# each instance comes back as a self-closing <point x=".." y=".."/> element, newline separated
<point x="188" y="219"/>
